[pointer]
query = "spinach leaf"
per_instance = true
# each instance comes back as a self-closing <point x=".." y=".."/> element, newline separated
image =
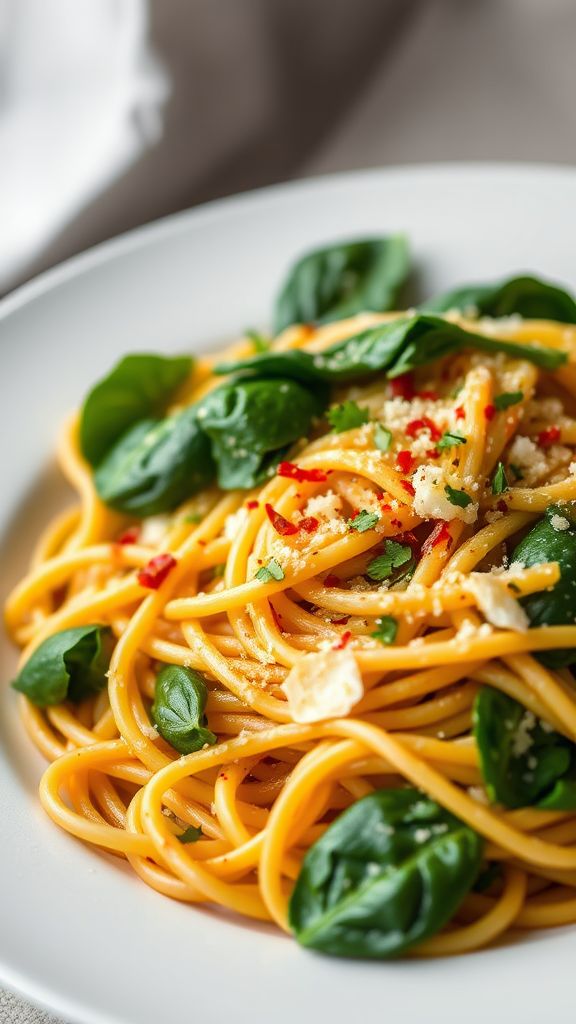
<point x="138" y="388"/>
<point x="524" y="762"/>
<point x="156" y="465"/>
<point x="395" y="348"/>
<point x="528" y="296"/>
<point x="178" y="710"/>
<point x="69" y="665"/>
<point x="387" y="874"/>
<point x="252" y="422"/>
<point x="556" y="606"/>
<point x="343" y="279"/>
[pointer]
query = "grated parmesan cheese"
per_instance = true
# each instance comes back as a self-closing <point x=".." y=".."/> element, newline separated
<point x="234" y="523"/>
<point x="323" y="684"/>
<point x="154" y="529"/>
<point x="559" y="523"/>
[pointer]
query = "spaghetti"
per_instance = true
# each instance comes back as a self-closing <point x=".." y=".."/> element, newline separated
<point x="344" y="615"/>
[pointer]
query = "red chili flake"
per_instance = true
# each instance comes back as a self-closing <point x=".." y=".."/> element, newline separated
<point x="405" y="460"/>
<point x="154" y="574"/>
<point x="408" y="487"/>
<point x="461" y="412"/>
<point x="343" y="641"/>
<point x="502" y="506"/>
<point x="548" y="437"/>
<point x="489" y="411"/>
<point x="403" y="386"/>
<point x="440" y="534"/>
<point x="340" y="622"/>
<point x="386" y="507"/>
<point x="432" y="396"/>
<point x="294" y="472"/>
<point x="425" y="423"/>
<point x="332" y="581"/>
<point x="282" y="526"/>
<point x="130" y="536"/>
<point x="408" y="538"/>
<point x="433" y="453"/>
<point x="252" y="504"/>
<point x="309" y="524"/>
<point x="396" y="522"/>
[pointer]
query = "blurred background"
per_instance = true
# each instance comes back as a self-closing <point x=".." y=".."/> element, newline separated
<point x="116" y="112"/>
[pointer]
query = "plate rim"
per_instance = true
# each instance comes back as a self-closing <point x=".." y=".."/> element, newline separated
<point x="152" y="231"/>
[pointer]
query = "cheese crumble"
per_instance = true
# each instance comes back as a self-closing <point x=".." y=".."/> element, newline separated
<point x="323" y="684"/>
<point x="431" y="500"/>
<point x="495" y="603"/>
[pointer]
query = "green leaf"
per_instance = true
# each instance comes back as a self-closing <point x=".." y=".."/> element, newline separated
<point x="190" y="835"/>
<point x="499" y="480"/>
<point x="554" y="606"/>
<point x="386" y="875"/>
<point x="271" y="571"/>
<point x="251" y="423"/>
<point x="178" y="710"/>
<point x="70" y="665"/>
<point x="382" y="437"/>
<point x="139" y="387"/>
<point x="395" y="348"/>
<point x="347" y="416"/>
<point x="456" y="497"/>
<point x="527" y="296"/>
<point x="386" y="629"/>
<point x="523" y="761"/>
<point x="342" y="279"/>
<point x="508" y="398"/>
<point x="364" y="521"/>
<point x="450" y="440"/>
<point x="393" y="557"/>
<point x="156" y="465"/>
<point x="260" y="342"/>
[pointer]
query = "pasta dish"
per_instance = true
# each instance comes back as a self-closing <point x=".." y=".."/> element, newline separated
<point x="302" y="648"/>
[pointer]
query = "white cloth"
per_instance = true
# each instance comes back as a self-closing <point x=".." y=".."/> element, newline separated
<point x="79" y="99"/>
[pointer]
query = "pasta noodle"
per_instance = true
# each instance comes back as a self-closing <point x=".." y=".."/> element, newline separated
<point x="331" y="675"/>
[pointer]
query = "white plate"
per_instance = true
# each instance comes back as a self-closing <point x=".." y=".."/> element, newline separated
<point x="79" y="933"/>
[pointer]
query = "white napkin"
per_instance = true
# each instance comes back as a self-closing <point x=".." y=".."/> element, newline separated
<point x="79" y="99"/>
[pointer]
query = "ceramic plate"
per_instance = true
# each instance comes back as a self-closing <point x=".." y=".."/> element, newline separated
<point x="78" y="932"/>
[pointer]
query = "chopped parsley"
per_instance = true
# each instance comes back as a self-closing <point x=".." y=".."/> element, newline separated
<point x="499" y="480"/>
<point x="449" y="440"/>
<point x="191" y="835"/>
<point x="386" y="629"/>
<point x="516" y="471"/>
<point x="347" y="416"/>
<point x="382" y="437"/>
<point x="393" y="557"/>
<point x="260" y="342"/>
<point x="272" y="571"/>
<point x="364" y="521"/>
<point x="456" y="497"/>
<point x="508" y="398"/>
